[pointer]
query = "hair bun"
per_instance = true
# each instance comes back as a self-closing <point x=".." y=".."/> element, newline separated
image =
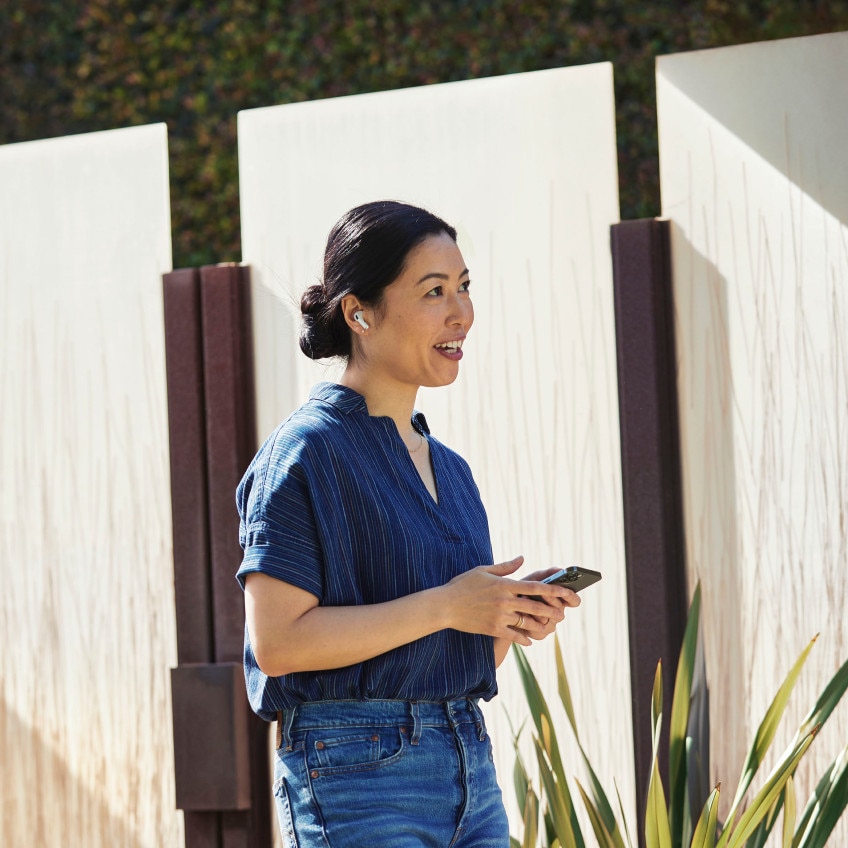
<point x="314" y="300"/>
<point x="323" y="332"/>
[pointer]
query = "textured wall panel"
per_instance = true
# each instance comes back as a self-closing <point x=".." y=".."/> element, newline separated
<point x="525" y="167"/>
<point x="86" y="615"/>
<point x="755" y="180"/>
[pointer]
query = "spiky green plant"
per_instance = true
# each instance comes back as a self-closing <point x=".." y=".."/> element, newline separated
<point x="679" y="818"/>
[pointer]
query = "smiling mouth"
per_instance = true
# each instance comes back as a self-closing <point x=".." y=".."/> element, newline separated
<point x="450" y="347"/>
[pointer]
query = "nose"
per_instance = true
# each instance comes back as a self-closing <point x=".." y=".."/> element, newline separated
<point x="461" y="313"/>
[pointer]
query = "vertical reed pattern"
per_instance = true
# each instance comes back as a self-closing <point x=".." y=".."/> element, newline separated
<point x="756" y="195"/>
<point x="85" y="552"/>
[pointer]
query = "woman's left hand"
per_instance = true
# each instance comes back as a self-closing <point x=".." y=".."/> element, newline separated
<point x="539" y="627"/>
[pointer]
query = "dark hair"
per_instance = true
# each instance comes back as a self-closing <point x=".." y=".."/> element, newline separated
<point x="366" y="251"/>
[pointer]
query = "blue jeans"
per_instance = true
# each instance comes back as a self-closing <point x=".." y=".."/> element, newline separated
<point x="380" y="774"/>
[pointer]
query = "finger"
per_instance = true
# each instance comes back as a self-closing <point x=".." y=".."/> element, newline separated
<point x="552" y="594"/>
<point x="520" y="637"/>
<point x="501" y="569"/>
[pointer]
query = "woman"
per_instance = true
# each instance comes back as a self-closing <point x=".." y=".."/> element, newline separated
<point x="375" y="618"/>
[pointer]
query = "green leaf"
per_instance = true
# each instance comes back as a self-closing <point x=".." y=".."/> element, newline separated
<point x="789" y="802"/>
<point x="679" y="722"/>
<point x="604" y="837"/>
<point x="706" y="829"/>
<point x="657" y="832"/>
<point x="735" y="837"/>
<point x="827" y="701"/>
<point x="623" y="816"/>
<point x="561" y="807"/>
<point x="765" y="733"/>
<point x="760" y="836"/>
<point x="531" y="820"/>
<point x="564" y="688"/>
<point x="601" y="801"/>
<point x="540" y="713"/>
<point x="825" y="807"/>
<point x="656" y="708"/>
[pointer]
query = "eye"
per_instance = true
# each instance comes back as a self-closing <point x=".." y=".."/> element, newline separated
<point x="436" y="292"/>
<point x="465" y="286"/>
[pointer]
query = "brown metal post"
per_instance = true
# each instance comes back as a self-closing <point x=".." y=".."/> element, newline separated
<point x="650" y="457"/>
<point x="230" y="446"/>
<point x="187" y="437"/>
<point x="220" y="746"/>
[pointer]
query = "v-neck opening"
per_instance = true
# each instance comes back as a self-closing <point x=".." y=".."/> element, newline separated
<point x="434" y="500"/>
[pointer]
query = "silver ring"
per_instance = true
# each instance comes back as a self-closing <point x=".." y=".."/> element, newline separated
<point x="520" y="623"/>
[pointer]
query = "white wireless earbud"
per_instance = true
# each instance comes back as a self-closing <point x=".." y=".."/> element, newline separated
<point x="357" y="316"/>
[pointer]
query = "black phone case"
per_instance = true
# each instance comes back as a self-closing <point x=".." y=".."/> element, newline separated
<point x="575" y="578"/>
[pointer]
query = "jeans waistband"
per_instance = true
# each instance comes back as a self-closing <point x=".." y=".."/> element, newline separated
<point x="418" y="714"/>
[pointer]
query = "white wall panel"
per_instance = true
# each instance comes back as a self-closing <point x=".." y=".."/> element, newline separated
<point x="86" y="613"/>
<point x="525" y="167"/>
<point x="755" y="180"/>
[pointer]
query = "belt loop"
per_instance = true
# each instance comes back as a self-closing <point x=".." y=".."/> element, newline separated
<point x="284" y="723"/>
<point x="416" y="722"/>
<point x="475" y="710"/>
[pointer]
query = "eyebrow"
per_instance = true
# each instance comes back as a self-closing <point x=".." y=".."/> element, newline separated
<point x="439" y="276"/>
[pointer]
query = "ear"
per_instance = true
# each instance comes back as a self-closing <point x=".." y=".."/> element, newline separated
<point x="350" y="306"/>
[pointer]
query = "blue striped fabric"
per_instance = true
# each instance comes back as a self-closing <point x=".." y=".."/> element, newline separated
<point x="332" y="503"/>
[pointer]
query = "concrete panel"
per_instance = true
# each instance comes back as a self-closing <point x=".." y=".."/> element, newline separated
<point x="525" y="167"/>
<point x="86" y="615"/>
<point x="754" y="180"/>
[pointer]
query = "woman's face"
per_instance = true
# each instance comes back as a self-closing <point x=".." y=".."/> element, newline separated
<point x="416" y="334"/>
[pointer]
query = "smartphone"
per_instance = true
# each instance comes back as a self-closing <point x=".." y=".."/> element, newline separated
<point x="575" y="577"/>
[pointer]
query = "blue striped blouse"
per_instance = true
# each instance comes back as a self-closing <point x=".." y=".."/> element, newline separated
<point x="333" y="503"/>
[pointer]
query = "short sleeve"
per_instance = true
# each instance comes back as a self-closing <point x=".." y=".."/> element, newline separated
<point x="277" y="530"/>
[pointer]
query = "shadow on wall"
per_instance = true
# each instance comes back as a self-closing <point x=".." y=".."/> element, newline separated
<point x="61" y="811"/>
<point x="705" y="393"/>
<point x="806" y="148"/>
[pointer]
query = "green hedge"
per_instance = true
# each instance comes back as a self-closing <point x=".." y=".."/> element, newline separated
<point x="67" y="68"/>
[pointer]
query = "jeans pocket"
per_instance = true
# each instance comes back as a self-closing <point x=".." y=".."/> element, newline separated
<point x="354" y="749"/>
<point x="284" y="814"/>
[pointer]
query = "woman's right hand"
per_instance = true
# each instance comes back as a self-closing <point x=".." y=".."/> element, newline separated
<point x="485" y="600"/>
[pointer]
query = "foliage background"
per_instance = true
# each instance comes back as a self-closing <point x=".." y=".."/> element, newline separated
<point x="70" y="67"/>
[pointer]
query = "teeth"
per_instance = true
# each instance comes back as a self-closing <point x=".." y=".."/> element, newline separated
<point x="450" y="345"/>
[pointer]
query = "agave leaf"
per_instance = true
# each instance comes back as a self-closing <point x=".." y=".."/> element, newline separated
<point x="735" y="837"/>
<point x="825" y="807"/>
<point x="563" y="817"/>
<point x="827" y="701"/>
<point x="604" y="837"/>
<point x="540" y="713"/>
<point x="601" y="801"/>
<point x="531" y="820"/>
<point x="698" y="785"/>
<point x="760" y="836"/>
<point x="564" y="688"/>
<point x="765" y="732"/>
<point x="679" y="722"/>
<point x="623" y="816"/>
<point x="656" y="707"/>
<point x="520" y="781"/>
<point x="789" y="804"/>
<point x="706" y="829"/>
<point x="657" y="832"/>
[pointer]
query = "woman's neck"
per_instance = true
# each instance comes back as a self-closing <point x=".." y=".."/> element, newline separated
<point x="383" y="397"/>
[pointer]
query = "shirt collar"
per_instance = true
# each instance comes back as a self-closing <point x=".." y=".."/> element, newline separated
<point x="348" y="401"/>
